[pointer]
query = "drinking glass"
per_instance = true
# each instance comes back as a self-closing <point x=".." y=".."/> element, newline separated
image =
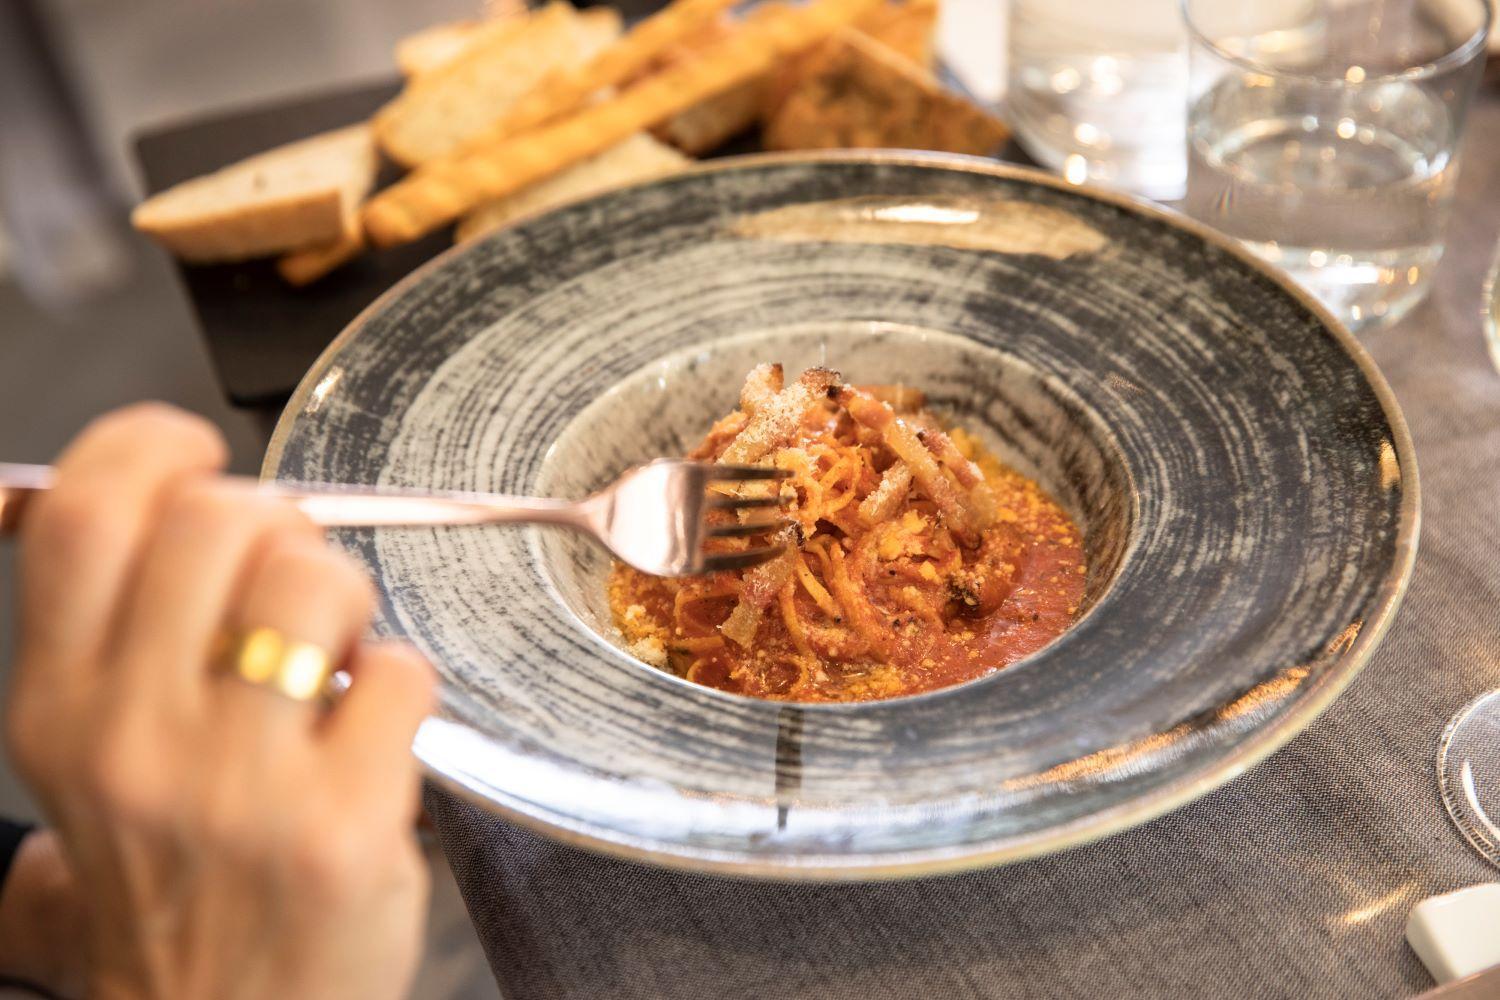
<point x="1325" y="136"/>
<point x="1469" y="751"/>
<point x="1096" y="89"/>
<point x="1469" y="773"/>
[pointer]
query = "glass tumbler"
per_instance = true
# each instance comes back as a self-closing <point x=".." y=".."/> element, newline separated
<point x="1095" y="90"/>
<point x="1324" y="134"/>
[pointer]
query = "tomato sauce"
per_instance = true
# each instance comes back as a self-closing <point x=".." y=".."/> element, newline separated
<point x="894" y="582"/>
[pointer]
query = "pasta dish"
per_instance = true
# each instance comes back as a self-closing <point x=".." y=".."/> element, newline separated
<point x="913" y="559"/>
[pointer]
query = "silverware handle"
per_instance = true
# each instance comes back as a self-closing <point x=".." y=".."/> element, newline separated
<point x="339" y="506"/>
<point x="18" y="484"/>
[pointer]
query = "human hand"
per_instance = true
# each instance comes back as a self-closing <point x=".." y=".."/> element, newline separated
<point x="233" y="842"/>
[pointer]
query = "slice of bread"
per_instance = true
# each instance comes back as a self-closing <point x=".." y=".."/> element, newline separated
<point x="855" y="93"/>
<point x="503" y="8"/>
<point x="295" y="195"/>
<point x="709" y="124"/>
<point x="424" y="51"/>
<point x="638" y="158"/>
<point x="304" y="266"/>
<point x="450" y="105"/>
<point x="907" y="26"/>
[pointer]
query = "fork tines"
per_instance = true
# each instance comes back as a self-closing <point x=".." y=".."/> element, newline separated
<point x="723" y="472"/>
<point x="742" y="503"/>
<point x="748" y="528"/>
<point x="723" y="476"/>
<point x="722" y="495"/>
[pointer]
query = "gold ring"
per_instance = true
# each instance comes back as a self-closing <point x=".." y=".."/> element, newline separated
<point x="263" y="656"/>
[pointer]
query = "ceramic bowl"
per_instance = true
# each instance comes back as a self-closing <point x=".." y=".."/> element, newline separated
<point x="1243" y="476"/>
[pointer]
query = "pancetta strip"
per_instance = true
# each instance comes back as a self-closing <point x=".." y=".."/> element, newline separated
<point x="776" y="420"/>
<point x="761" y="386"/>
<point x="981" y="497"/>
<point x="759" y="588"/>
<point x="884" y="500"/>
<point x="939" y="485"/>
<point x="902" y="399"/>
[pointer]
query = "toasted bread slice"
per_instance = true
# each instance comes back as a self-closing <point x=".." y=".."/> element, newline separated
<point x="441" y="110"/>
<point x="857" y="93"/>
<point x="295" y="195"/>
<point x="304" y="266"/>
<point x="638" y="158"/>
<point x="907" y="26"/>
<point x="708" y="125"/>
<point x="623" y="61"/>
<point x="439" y="192"/>
<point x="600" y="26"/>
<point x="438" y="45"/>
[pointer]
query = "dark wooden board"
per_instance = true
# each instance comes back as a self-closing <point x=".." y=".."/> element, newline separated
<point x="262" y="334"/>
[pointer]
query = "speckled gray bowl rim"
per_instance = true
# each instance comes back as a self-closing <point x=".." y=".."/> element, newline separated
<point x="1256" y="747"/>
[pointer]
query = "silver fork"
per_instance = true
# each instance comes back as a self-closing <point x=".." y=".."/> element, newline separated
<point x="654" y="517"/>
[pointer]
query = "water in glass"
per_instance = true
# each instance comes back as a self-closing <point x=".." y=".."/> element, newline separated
<point x="1325" y="135"/>
<point x="1348" y="189"/>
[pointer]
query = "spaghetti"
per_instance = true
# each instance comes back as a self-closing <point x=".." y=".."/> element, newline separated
<point x="915" y="560"/>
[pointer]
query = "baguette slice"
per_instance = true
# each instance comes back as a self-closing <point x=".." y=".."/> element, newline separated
<point x="443" y="109"/>
<point x="493" y="9"/>
<point x="438" y="44"/>
<point x="903" y="26"/>
<point x="855" y="93"/>
<point x="638" y="158"/>
<point x="906" y="26"/>
<point x="709" y="124"/>
<point x="441" y="191"/>
<point x="304" y="266"/>
<point x="424" y="51"/>
<point x="293" y="196"/>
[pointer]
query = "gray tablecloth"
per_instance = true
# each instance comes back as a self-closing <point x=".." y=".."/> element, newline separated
<point x="1293" y="881"/>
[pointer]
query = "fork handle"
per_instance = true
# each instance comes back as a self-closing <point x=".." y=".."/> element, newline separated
<point x="18" y="485"/>
<point x="338" y="506"/>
